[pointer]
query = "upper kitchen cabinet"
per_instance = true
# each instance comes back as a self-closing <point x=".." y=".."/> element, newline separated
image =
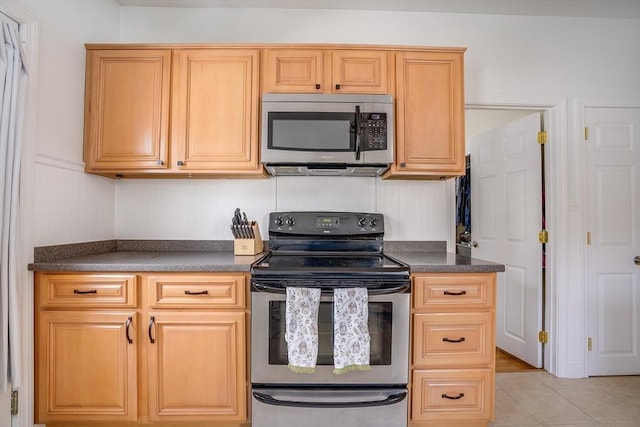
<point x="315" y="70"/>
<point x="429" y="114"/>
<point x="127" y="110"/>
<point x="184" y="111"/>
<point x="214" y="115"/>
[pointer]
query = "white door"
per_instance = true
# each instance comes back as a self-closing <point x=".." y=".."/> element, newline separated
<point x="506" y="216"/>
<point x="613" y="221"/>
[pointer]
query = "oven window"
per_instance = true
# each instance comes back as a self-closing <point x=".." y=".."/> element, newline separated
<point x="311" y="131"/>
<point x="380" y="325"/>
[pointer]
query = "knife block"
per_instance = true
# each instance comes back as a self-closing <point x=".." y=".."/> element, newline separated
<point x="249" y="246"/>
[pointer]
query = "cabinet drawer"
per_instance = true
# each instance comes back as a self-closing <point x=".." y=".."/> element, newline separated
<point x="86" y="290"/>
<point x="453" y="339"/>
<point x="455" y="395"/>
<point x="196" y="290"/>
<point x="468" y="291"/>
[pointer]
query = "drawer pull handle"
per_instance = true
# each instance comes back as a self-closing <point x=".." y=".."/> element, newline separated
<point x="79" y="292"/>
<point x="445" y="339"/>
<point x="455" y="293"/>
<point x="152" y="320"/>
<point x="128" y="325"/>
<point x="188" y="292"/>
<point x="459" y="396"/>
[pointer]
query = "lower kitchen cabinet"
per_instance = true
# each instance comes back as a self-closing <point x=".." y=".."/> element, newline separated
<point x="453" y="357"/>
<point x="86" y="366"/>
<point x="196" y="366"/>
<point x="162" y="347"/>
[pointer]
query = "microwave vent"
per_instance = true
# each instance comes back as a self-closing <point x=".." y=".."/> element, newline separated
<point x="310" y="169"/>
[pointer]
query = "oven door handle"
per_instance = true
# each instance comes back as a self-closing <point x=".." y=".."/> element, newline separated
<point x="281" y="289"/>
<point x="268" y="399"/>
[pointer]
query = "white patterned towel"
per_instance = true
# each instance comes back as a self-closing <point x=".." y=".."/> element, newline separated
<point x="351" y="340"/>
<point x="302" y="329"/>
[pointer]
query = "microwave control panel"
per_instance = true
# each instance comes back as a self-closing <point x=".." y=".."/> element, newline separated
<point x="374" y="133"/>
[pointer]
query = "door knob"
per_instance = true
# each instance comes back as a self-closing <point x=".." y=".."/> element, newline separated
<point x="636" y="260"/>
<point x="474" y="244"/>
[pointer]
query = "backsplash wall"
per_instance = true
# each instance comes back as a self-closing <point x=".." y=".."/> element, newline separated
<point x="202" y="209"/>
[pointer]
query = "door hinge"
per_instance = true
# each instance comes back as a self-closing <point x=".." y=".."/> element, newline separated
<point x="589" y="344"/>
<point x="586" y="133"/>
<point x="543" y="236"/>
<point x="14" y="402"/>
<point x="542" y="137"/>
<point x="543" y="337"/>
<point x="588" y="238"/>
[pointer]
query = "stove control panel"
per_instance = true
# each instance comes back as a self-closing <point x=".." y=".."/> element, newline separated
<point x="323" y="223"/>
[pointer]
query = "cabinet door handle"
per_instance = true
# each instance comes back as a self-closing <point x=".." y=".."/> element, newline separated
<point x="79" y="292"/>
<point x="455" y="293"/>
<point x="317" y="85"/>
<point x="188" y="292"/>
<point x="445" y="339"/>
<point x="152" y="320"/>
<point x="459" y="396"/>
<point x="128" y="325"/>
<point x="180" y="163"/>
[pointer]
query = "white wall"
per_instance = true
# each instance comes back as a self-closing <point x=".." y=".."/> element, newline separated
<point x="70" y="206"/>
<point x="510" y="59"/>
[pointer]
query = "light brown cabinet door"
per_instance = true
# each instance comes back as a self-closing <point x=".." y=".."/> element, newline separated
<point x="215" y="111"/>
<point x="86" y="366"/>
<point x="197" y="368"/>
<point x="429" y="115"/>
<point x="127" y="109"/>
<point x="293" y="71"/>
<point x="360" y="71"/>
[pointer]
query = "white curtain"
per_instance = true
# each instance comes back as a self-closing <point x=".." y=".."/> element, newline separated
<point x="13" y="78"/>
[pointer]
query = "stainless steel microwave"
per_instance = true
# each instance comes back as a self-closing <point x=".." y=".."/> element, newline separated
<point x="317" y="134"/>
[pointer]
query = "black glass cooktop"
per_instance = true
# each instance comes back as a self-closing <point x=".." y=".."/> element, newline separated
<point x="344" y="262"/>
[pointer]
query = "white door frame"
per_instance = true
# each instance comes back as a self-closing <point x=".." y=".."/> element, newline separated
<point x="558" y="304"/>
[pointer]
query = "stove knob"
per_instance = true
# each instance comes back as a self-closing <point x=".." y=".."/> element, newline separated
<point x="373" y="222"/>
<point x="291" y="221"/>
<point x="362" y="221"/>
<point x="279" y="221"/>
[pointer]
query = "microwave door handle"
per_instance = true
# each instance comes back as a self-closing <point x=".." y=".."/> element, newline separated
<point x="357" y="132"/>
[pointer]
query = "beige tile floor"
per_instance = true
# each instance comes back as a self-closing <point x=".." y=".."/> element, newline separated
<point x="537" y="398"/>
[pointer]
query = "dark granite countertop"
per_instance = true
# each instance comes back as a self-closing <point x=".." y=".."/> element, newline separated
<point x="183" y="256"/>
<point x="151" y="261"/>
<point x="444" y="262"/>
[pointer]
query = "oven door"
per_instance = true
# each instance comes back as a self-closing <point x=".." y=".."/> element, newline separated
<point x="388" y="328"/>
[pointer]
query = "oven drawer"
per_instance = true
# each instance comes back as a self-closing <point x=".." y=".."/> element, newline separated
<point x="453" y="339"/>
<point x="452" y="394"/>
<point x="322" y="407"/>
<point x="454" y="291"/>
<point x="196" y="290"/>
<point x="87" y="290"/>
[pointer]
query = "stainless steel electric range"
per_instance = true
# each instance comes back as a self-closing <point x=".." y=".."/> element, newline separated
<point x="329" y="250"/>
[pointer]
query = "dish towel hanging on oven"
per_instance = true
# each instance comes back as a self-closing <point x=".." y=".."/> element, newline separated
<point x="302" y="328"/>
<point x="351" y="340"/>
